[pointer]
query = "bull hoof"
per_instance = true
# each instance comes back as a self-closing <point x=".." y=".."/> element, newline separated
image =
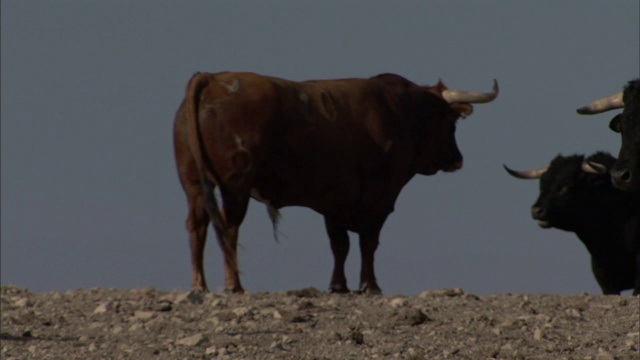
<point x="339" y="290"/>
<point x="199" y="288"/>
<point x="370" y="290"/>
<point x="234" y="290"/>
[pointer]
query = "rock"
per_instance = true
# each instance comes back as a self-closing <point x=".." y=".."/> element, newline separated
<point x="604" y="355"/>
<point x="276" y="345"/>
<point x="305" y="293"/>
<point x="193" y="340"/>
<point x="21" y="303"/>
<point x="631" y="344"/>
<point x="193" y="297"/>
<point x="164" y="306"/>
<point x="102" y="308"/>
<point x="398" y="302"/>
<point x="277" y="315"/>
<point x="241" y="311"/>
<point x="143" y="315"/>
<point x="574" y="313"/>
<point x="538" y="334"/>
<point x="411" y="317"/>
<point x="442" y="293"/>
<point x="356" y="336"/>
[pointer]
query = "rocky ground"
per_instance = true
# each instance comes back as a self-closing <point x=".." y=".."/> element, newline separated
<point x="310" y="324"/>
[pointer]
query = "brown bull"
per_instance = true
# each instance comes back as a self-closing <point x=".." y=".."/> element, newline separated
<point x="344" y="148"/>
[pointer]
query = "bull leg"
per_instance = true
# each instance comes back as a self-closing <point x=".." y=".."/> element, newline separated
<point x="636" y="288"/>
<point x="197" y="223"/>
<point x="368" y="246"/>
<point x="235" y="209"/>
<point x="197" y="218"/>
<point x="340" y="248"/>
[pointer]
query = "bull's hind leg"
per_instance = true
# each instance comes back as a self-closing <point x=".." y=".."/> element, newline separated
<point x="197" y="218"/>
<point x="340" y="247"/>
<point x="197" y="223"/>
<point x="234" y="211"/>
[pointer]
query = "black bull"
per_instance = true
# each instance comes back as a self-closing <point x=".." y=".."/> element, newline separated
<point x="576" y="197"/>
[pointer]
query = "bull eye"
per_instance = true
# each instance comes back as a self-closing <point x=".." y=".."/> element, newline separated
<point x="563" y="190"/>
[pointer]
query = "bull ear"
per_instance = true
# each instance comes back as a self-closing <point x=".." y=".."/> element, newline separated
<point x="614" y="124"/>
<point x="528" y="174"/>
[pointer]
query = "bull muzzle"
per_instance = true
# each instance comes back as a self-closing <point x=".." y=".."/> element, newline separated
<point x="540" y="213"/>
<point x="622" y="178"/>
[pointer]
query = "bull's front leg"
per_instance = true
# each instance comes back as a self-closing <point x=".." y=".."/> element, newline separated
<point x="340" y="248"/>
<point x="368" y="245"/>
<point x="636" y="288"/>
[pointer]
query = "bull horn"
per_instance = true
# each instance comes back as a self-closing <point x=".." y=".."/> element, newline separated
<point x="529" y="174"/>
<point x="605" y="104"/>
<point x="458" y="96"/>
<point x="591" y="167"/>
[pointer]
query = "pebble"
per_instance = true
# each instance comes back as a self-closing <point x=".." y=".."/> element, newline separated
<point x="398" y="302"/>
<point x="21" y="302"/>
<point x="411" y="317"/>
<point x="604" y="355"/>
<point x="102" y="308"/>
<point x="193" y="297"/>
<point x="442" y="293"/>
<point x="241" y="311"/>
<point x="193" y="340"/>
<point x="574" y="313"/>
<point x="143" y="315"/>
<point x="538" y="334"/>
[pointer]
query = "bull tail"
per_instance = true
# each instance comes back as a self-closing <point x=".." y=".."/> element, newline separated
<point x="208" y="176"/>
<point x="274" y="216"/>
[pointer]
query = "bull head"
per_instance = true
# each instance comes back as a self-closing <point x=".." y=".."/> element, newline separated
<point x="622" y="173"/>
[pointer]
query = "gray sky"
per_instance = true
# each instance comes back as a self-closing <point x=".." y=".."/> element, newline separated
<point x="90" y="195"/>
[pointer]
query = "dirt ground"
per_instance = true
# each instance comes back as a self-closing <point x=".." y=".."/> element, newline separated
<point x="310" y="324"/>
